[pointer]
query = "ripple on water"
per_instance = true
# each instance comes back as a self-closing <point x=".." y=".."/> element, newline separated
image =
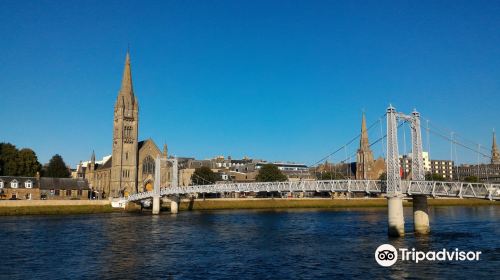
<point x="243" y="244"/>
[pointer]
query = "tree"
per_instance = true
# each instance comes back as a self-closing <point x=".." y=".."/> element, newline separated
<point x="8" y="159"/>
<point x="433" y="177"/>
<point x="57" y="168"/>
<point x="270" y="173"/>
<point x="17" y="163"/>
<point x="204" y="176"/>
<point x="471" y="179"/>
<point x="329" y="176"/>
<point x="383" y="176"/>
<point x="28" y="164"/>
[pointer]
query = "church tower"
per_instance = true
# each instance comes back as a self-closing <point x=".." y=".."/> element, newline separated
<point x="495" y="154"/>
<point x="364" y="156"/>
<point x="125" y="138"/>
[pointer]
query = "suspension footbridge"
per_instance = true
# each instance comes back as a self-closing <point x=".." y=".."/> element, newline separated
<point x="394" y="188"/>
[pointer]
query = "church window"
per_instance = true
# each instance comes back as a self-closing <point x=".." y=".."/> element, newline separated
<point x="14" y="184"/>
<point x="126" y="155"/>
<point x="28" y="184"/>
<point x="1" y="184"/>
<point x="148" y="166"/>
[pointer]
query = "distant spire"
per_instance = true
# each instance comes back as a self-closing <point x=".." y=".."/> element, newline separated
<point x="92" y="158"/>
<point x="363" y="143"/>
<point x="165" y="150"/>
<point x="127" y="87"/>
<point x="495" y="154"/>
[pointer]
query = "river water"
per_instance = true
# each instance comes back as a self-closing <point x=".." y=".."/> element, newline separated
<point x="243" y="244"/>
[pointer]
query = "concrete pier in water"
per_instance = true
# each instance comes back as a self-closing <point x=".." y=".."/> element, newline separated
<point x="395" y="216"/>
<point x="420" y="215"/>
<point x="156" y="205"/>
<point x="174" y="206"/>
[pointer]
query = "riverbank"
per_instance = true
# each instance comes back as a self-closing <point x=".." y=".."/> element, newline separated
<point x="269" y="203"/>
<point x="53" y="207"/>
<point x="60" y="207"/>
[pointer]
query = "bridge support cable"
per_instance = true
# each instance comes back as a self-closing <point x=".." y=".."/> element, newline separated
<point x="457" y="139"/>
<point x="476" y="149"/>
<point x="372" y="125"/>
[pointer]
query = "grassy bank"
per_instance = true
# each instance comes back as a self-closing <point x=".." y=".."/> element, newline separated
<point x="54" y="210"/>
<point x="214" y="204"/>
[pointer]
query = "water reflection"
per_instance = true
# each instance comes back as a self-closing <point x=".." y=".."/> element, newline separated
<point x="247" y="244"/>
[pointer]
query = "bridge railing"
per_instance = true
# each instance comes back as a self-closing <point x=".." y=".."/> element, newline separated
<point x="452" y="189"/>
<point x="430" y="188"/>
<point x="365" y="186"/>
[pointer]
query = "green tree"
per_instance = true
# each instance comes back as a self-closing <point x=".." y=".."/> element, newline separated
<point x="471" y="179"/>
<point x="204" y="176"/>
<point x="8" y="160"/>
<point x="57" y="168"/>
<point x="383" y="176"/>
<point x="433" y="177"/>
<point x="28" y="164"/>
<point x="329" y="176"/>
<point x="270" y="173"/>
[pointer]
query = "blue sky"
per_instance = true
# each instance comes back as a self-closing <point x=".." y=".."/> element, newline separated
<point x="280" y="80"/>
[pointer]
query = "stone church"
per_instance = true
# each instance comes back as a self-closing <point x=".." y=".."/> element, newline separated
<point x="367" y="168"/>
<point x="131" y="167"/>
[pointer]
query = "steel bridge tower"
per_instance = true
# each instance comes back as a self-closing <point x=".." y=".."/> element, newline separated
<point x="394" y="184"/>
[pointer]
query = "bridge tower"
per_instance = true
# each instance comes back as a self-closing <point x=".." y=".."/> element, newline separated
<point x="394" y="190"/>
<point x="175" y="200"/>
<point x="394" y="193"/>
<point x="420" y="208"/>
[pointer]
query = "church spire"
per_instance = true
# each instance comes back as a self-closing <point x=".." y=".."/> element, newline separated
<point x="127" y="87"/>
<point x="495" y="154"/>
<point x="92" y="158"/>
<point x="363" y="143"/>
<point x="165" y="150"/>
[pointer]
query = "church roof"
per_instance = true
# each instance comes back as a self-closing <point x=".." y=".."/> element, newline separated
<point x="106" y="165"/>
<point x="143" y="143"/>
<point x="140" y="144"/>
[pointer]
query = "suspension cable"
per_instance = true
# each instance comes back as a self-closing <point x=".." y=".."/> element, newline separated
<point x="349" y="142"/>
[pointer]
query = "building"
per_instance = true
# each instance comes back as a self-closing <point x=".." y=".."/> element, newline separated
<point x="443" y="168"/>
<point x="482" y="172"/>
<point x="293" y="171"/>
<point x="16" y="187"/>
<point x="366" y="167"/>
<point x="64" y="189"/>
<point x="130" y="169"/>
<point x="31" y="188"/>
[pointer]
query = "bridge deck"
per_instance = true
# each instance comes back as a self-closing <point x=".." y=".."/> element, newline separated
<point x="430" y="188"/>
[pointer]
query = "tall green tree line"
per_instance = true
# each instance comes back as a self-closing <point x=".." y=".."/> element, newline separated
<point x="24" y="162"/>
<point x="14" y="162"/>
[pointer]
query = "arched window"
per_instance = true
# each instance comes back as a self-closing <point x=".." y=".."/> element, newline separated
<point x="14" y="184"/>
<point x="148" y="165"/>
<point x="28" y="184"/>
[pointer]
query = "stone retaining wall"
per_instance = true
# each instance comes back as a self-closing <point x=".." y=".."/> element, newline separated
<point x="23" y="203"/>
